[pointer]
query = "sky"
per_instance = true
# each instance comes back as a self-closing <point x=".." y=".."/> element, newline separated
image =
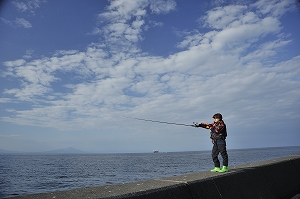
<point x="73" y="73"/>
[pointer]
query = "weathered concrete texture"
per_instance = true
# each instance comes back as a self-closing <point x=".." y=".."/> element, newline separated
<point x="277" y="178"/>
<point x="143" y="189"/>
<point x="296" y="196"/>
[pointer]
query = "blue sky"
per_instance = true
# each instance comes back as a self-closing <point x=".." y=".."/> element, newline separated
<point x="73" y="71"/>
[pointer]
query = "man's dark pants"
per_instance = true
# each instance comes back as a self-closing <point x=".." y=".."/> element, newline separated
<point x="219" y="148"/>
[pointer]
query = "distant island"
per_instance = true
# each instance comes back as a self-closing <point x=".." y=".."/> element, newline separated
<point x="68" y="150"/>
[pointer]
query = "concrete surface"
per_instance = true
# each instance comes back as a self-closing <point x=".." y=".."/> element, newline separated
<point x="271" y="179"/>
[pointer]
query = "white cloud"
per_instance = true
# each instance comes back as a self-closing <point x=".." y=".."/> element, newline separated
<point x="124" y="24"/>
<point x="289" y="70"/>
<point x="9" y="136"/>
<point x="29" y="5"/>
<point x="28" y="54"/>
<point x="274" y="7"/>
<point x="21" y="22"/>
<point x="8" y="22"/>
<point x="4" y="100"/>
<point x="234" y="36"/>
<point x="266" y="50"/>
<point x="18" y="22"/>
<point x="221" y="17"/>
<point x="162" y="6"/>
<point x="28" y="92"/>
<point x="191" y="40"/>
<point x="156" y="23"/>
<point x="21" y="6"/>
<point x="18" y="62"/>
<point x="65" y="52"/>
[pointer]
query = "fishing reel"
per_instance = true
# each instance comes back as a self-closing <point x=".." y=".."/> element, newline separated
<point x="196" y="124"/>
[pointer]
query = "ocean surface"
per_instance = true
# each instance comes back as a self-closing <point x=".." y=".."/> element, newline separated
<point x="29" y="174"/>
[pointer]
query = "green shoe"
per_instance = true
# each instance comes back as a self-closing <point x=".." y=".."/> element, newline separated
<point x="216" y="169"/>
<point x="224" y="169"/>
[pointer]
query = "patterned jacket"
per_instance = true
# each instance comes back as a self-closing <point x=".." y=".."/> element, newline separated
<point x="218" y="131"/>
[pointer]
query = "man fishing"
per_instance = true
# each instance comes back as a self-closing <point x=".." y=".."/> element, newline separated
<point x="218" y="135"/>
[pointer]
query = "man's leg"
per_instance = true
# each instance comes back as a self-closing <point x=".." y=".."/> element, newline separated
<point x="223" y="151"/>
<point x="214" y="155"/>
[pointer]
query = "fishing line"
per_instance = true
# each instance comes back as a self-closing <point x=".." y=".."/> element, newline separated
<point x="160" y="121"/>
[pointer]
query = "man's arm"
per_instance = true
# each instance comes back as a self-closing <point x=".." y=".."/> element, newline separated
<point x="203" y="125"/>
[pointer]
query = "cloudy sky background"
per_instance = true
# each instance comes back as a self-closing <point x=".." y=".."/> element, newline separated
<point x="72" y="72"/>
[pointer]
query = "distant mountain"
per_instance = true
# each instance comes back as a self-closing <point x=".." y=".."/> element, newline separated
<point x="7" y="151"/>
<point x="68" y="150"/>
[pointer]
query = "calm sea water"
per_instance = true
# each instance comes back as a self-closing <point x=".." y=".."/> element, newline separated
<point x="28" y="174"/>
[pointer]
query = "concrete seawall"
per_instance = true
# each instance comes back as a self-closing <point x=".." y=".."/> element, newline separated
<point x="271" y="179"/>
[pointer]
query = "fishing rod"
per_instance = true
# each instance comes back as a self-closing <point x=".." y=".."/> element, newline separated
<point x="193" y="125"/>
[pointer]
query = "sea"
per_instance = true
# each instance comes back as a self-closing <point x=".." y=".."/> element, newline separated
<point x="22" y="174"/>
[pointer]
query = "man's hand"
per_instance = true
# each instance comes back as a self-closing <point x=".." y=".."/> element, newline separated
<point x="199" y="125"/>
<point x="205" y="125"/>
